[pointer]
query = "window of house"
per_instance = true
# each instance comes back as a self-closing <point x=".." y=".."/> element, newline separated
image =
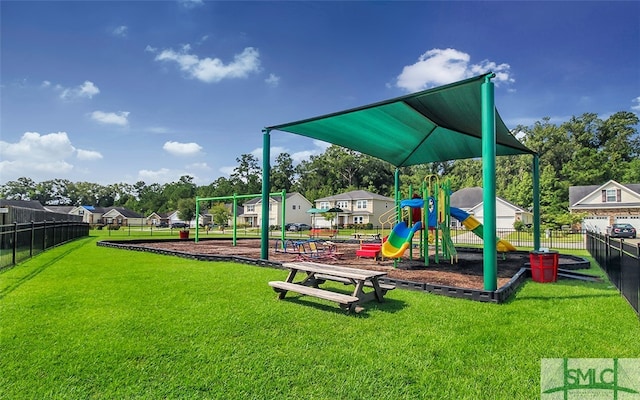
<point x="358" y="220"/>
<point x="251" y="208"/>
<point x="324" y="204"/>
<point x="361" y="204"/>
<point x="342" y="204"/>
<point x="611" y="196"/>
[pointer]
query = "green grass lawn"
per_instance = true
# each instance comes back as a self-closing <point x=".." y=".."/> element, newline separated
<point x="81" y="321"/>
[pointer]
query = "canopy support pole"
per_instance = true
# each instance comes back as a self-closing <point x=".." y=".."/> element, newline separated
<point x="490" y="266"/>
<point x="536" y="202"/>
<point x="266" y="171"/>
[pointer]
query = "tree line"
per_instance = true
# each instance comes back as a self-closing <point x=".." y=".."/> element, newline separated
<point x="585" y="150"/>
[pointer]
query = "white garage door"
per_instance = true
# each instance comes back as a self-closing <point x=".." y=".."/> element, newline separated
<point x="504" y="222"/>
<point x="596" y="224"/>
<point x="630" y="219"/>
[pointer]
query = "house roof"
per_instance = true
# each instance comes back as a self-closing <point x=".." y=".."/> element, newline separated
<point x="466" y="198"/>
<point x="472" y="197"/>
<point x="439" y="124"/>
<point x="32" y="204"/>
<point x="355" y="195"/>
<point x="60" y="209"/>
<point x="125" y="212"/>
<point x="578" y="193"/>
<point x="276" y="198"/>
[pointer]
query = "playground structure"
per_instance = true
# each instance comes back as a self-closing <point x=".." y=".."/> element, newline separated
<point x="235" y="199"/>
<point x="450" y="122"/>
<point x="412" y="215"/>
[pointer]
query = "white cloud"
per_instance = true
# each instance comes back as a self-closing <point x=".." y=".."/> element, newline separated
<point x="88" y="155"/>
<point x="441" y="66"/>
<point x="158" y="129"/>
<point x="87" y="90"/>
<point x="296" y="156"/>
<point x="182" y="149"/>
<point x="35" y="154"/>
<point x="120" y="31"/>
<point x="119" y="118"/>
<point x="273" y="80"/>
<point x="227" y="170"/>
<point x="163" y="175"/>
<point x="212" y="69"/>
<point x="201" y="166"/>
<point x="636" y="104"/>
<point x="190" y="4"/>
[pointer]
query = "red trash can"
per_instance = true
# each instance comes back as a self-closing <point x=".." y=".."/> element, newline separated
<point x="184" y="235"/>
<point x="544" y="266"/>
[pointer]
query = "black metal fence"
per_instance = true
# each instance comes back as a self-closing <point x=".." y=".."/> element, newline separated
<point x="552" y="239"/>
<point x="20" y="241"/>
<point x="621" y="262"/>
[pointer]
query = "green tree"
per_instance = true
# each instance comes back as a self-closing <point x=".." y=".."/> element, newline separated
<point x="282" y="174"/>
<point x="21" y="189"/>
<point x="175" y="191"/>
<point x="187" y="209"/>
<point x="220" y="214"/>
<point x="247" y="176"/>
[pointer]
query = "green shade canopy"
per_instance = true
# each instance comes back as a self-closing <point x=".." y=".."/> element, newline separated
<point x="440" y="124"/>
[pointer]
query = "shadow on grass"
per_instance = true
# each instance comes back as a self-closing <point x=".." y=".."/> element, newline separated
<point x="19" y="282"/>
<point x="388" y="306"/>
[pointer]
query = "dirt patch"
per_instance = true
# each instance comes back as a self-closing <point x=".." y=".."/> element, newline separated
<point x="467" y="272"/>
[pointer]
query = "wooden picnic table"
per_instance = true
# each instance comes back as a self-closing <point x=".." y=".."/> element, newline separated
<point x="316" y="274"/>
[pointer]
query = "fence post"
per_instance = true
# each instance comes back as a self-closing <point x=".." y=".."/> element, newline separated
<point x="44" y="235"/>
<point x="15" y="242"/>
<point x="33" y="238"/>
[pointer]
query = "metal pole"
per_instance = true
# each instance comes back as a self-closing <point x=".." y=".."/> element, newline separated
<point x="234" y="228"/>
<point x="266" y="172"/>
<point x="197" y="218"/>
<point x="536" y="202"/>
<point x="489" y="184"/>
<point x="284" y="206"/>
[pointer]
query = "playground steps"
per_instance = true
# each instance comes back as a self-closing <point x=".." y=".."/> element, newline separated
<point x="369" y="251"/>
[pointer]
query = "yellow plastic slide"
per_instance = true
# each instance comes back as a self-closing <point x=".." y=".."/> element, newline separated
<point x="472" y="224"/>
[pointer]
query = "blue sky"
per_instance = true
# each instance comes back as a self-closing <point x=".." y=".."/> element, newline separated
<point x="110" y="92"/>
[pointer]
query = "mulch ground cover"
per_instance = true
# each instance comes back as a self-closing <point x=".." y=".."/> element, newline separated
<point x="467" y="272"/>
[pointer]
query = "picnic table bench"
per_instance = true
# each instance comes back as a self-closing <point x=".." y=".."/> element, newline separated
<point x="317" y="274"/>
<point x="370" y="236"/>
<point x="317" y="232"/>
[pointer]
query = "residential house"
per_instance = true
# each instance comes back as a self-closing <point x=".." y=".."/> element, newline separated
<point x="605" y="205"/>
<point x="358" y="207"/>
<point x="156" y="219"/>
<point x="173" y="217"/>
<point x="471" y="201"/>
<point x="108" y="215"/>
<point x="296" y="207"/>
<point x="90" y="214"/>
<point x="122" y="217"/>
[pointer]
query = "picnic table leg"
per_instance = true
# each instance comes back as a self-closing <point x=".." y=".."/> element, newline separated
<point x="378" y="290"/>
<point x="290" y="277"/>
<point x="376" y="294"/>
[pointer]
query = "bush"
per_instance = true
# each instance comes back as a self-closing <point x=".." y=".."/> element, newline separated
<point x="113" y="227"/>
<point x="518" y="226"/>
